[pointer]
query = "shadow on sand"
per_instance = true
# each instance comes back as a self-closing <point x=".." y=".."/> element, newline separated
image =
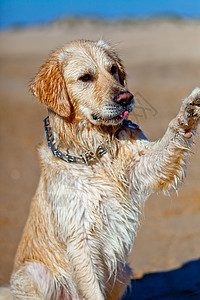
<point x="179" y="284"/>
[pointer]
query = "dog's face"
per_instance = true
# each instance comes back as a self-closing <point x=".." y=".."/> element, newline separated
<point x="85" y="80"/>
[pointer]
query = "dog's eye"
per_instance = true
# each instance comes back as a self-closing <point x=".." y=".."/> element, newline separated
<point x="113" y="70"/>
<point x="85" y="78"/>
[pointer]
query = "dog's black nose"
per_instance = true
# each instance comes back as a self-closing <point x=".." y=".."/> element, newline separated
<point x="124" y="98"/>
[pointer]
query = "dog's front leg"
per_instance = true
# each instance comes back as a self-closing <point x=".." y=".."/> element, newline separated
<point x="162" y="163"/>
<point x="83" y="268"/>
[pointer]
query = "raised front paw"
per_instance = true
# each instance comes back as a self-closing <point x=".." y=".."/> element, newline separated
<point x="190" y="113"/>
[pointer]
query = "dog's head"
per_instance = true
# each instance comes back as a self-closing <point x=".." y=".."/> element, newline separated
<point x="85" y="79"/>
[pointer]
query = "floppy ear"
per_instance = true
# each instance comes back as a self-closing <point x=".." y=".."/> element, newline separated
<point x="49" y="86"/>
<point x="111" y="51"/>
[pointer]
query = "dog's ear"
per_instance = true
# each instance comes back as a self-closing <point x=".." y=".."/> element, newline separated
<point x="111" y="51"/>
<point x="50" y="87"/>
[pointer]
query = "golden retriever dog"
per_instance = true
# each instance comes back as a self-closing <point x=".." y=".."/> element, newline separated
<point x="98" y="169"/>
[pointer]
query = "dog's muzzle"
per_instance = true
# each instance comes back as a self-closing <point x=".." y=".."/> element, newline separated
<point x="126" y="101"/>
<point x="124" y="98"/>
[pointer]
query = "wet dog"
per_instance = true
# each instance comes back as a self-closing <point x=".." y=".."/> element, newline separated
<point x="98" y="169"/>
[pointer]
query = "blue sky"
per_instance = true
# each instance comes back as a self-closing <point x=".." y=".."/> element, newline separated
<point x="30" y="12"/>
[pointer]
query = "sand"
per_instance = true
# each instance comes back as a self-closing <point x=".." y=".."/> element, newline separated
<point x="162" y="59"/>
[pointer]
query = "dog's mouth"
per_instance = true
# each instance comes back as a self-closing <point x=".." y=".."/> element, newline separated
<point x="113" y="118"/>
<point x="115" y="112"/>
<point x="124" y="114"/>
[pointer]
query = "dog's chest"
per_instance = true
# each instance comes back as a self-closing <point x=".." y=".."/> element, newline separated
<point x="94" y="205"/>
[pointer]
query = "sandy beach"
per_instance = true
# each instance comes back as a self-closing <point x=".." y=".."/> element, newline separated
<point x="162" y="59"/>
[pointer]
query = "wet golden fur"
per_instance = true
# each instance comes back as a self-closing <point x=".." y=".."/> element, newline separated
<point x="83" y="218"/>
